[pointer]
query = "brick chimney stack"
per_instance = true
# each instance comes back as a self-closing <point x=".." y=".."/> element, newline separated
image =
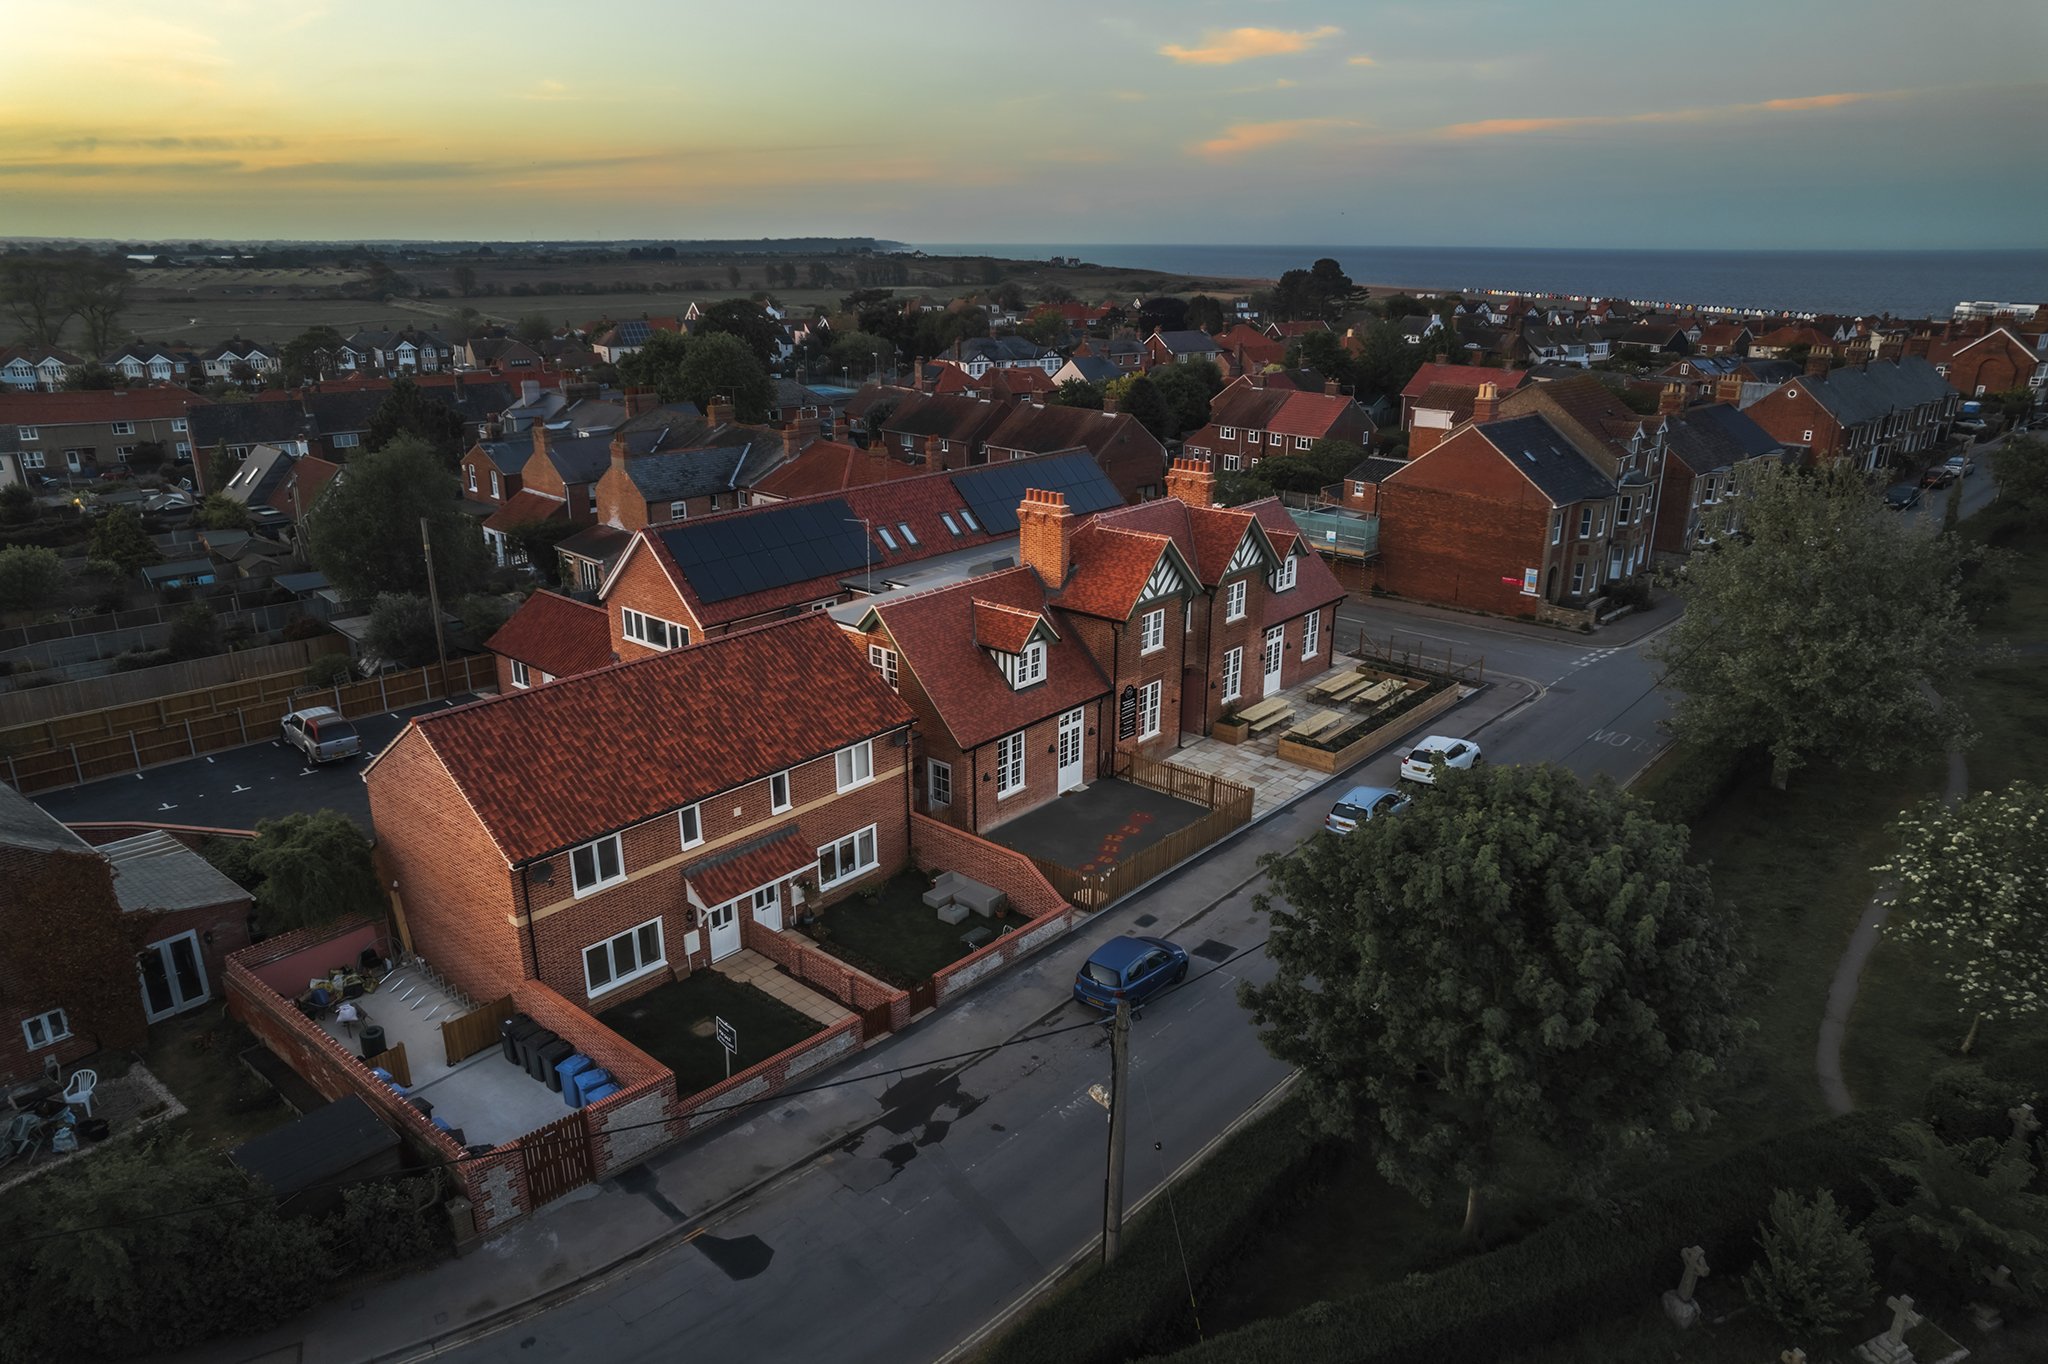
<point x="1729" y="390"/>
<point x="1671" y="402"/>
<point x="1486" y="406"/>
<point x="718" y="412"/>
<point x="639" y="400"/>
<point x="1332" y="389"/>
<point x="1045" y="533"/>
<point x="1818" y="365"/>
<point x="1192" y="481"/>
<point x="1109" y="403"/>
<point x="798" y="434"/>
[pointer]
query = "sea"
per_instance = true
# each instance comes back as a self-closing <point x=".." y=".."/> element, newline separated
<point x="1855" y="283"/>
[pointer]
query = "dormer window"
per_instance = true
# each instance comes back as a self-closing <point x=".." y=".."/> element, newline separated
<point x="1283" y="576"/>
<point x="1030" y="666"/>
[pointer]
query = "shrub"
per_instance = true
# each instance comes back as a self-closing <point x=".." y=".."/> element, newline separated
<point x="29" y="577"/>
<point x="1634" y="592"/>
<point x="1814" y="1279"/>
<point x="1694" y="780"/>
<point x="195" y="632"/>
<point x="329" y="670"/>
<point x="392" y="1223"/>
<point x="1963" y="1103"/>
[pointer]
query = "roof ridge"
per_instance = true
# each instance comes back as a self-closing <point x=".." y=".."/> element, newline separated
<point x="935" y="590"/>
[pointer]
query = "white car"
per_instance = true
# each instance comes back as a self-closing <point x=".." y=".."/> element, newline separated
<point x="1436" y="752"/>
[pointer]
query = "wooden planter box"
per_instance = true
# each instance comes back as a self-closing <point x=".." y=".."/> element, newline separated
<point x="1372" y="741"/>
<point x="1231" y="731"/>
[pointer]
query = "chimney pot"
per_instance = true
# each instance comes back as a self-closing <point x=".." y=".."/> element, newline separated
<point x="719" y="412"/>
<point x="1487" y="405"/>
<point x="1192" y="481"/>
<point x="1045" y="532"/>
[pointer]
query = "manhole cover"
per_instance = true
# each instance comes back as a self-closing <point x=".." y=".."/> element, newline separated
<point x="1212" y="950"/>
<point x="1147" y="920"/>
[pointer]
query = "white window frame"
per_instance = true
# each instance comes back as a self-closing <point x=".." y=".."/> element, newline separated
<point x="1579" y="578"/>
<point x="1274" y="438"/>
<point x="1230" y="462"/>
<point x="888" y="540"/>
<point x="946" y="518"/>
<point x="690" y="824"/>
<point x="884" y="661"/>
<point x="521" y="678"/>
<point x="1234" y="599"/>
<point x="909" y="535"/>
<point x="345" y="440"/>
<point x="1283" y="576"/>
<point x="852" y="856"/>
<point x="1148" y="709"/>
<point x="1302" y="442"/>
<point x="46" y="1029"/>
<point x="779" y="792"/>
<point x="636" y="937"/>
<point x="854" y="765"/>
<point x="29" y="433"/>
<point x="938" y="782"/>
<point x="595" y="848"/>
<point x="122" y="428"/>
<point x="1233" y="673"/>
<point x="1010" y="772"/>
<point x="1585" y="523"/>
<point x="178" y="424"/>
<point x="1557" y="527"/>
<point x="652" y="631"/>
<point x="497" y="487"/>
<point x="1153" y="631"/>
<point x="1030" y="666"/>
<point x="1226" y="433"/>
<point x="470" y="469"/>
<point x="1311" y="634"/>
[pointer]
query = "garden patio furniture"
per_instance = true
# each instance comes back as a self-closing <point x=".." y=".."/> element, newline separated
<point x="79" y="1092"/>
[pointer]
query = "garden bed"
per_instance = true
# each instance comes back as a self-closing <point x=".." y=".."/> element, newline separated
<point x="892" y="934"/>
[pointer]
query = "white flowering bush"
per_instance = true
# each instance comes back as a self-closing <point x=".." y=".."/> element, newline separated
<point x="1971" y="879"/>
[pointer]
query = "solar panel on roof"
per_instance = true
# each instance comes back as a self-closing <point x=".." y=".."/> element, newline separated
<point x="995" y="490"/>
<point x="732" y="557"/>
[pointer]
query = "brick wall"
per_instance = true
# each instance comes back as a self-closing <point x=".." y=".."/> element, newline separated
<point x="286" y="962"/>
<point x="222" y="930"/>
<point x="756" y="1082"/>
<point x="1788" y="413"/>
<point x="1454" y="527"/>
<point x="814" y="966"/>
<point x="939" y="846"/>
<point x="993" y="958"/>
<point x="1118" y="649"/>
<point x="645" y="587"/>
<point x="82" y="964"/>
<point x="1294" y="669"/>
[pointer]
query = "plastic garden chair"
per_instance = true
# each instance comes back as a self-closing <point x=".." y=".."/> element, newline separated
<point x="78" y="1093"/>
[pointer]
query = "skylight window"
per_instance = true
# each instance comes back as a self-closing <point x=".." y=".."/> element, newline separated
<point x="968" y="517"/>
<point x="951" y="524"/>
<point x="909" y="538"/>
<point x="887" y="539"/>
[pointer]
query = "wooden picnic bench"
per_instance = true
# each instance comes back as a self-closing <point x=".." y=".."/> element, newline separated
<point x="1379" y="692"/>
<point x="1333" y="684"/>
<point x="1315" y="724"/>
<point x="1260" y="710"/>
<point x="1273" y="721"/>
<point x="1351" y="685"/>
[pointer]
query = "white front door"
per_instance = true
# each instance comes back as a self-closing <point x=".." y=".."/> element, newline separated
<point x="725" y="929"/>
<point x="767" y="902"/>
<point x="1276" y="642"/>
<point x="1071" y="731"/>
<point x="173" y="976"/>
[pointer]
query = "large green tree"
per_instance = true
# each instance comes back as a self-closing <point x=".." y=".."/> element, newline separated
<point x="1971" y="880"/>
<point x="29" y="577"/>
<point x="1518" y="958"/>
<point x="401" y="629"/>
<point x="364" y="532"/>
<point x="310" y="355"/>
<point x="316" y="868"/>
<point x="409" y="410"/>
<point x="35" y="294"/>
<point x="861" y="354"/>
<point x="744" y="319"/>
<point x="97" y="294"/>
<point x="1817" y="628"/>
<point x="1187" y="387"/>
<point x="2022" y="477"/>
<point x="658" y="365"/>
<point x="716" y="365"/>
<point x="1138" y="396"/>
<point x="119" y="538"/>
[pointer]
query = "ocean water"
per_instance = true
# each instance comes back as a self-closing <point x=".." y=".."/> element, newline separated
<point x="1901" y="283"/>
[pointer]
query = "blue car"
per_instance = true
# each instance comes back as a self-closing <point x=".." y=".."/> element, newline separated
<point x="1131" y="969"/>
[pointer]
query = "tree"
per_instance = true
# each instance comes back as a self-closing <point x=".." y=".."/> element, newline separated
<point x="90" y="377"/>
<point x="657" y="364"/>
<point x="195" y="632"/>
<point x="1972" y="881"/>
<point x="401" y="629"/>
<point x="218" y="511"/>
<point x="33" y="292"/>
<point x="409" y="410"/>
<point x="1970" y="1209"/>
<point x="1187" y="388"/>
<point x="2022" y="477"/>
<point x="1044" y="327"/>
<point x="1814" y="1279"/>
<point x="17" y="504"/>
<point x="1818" y="654"/>
<point x="1138" y="397"/>
<point x="316" y="868"/>
<point x="97" y="294"/>
<point x="118" y="537"/>
<point x="533" y="328"/>
<point x="1162" y="314"/>
<point x="310" y="355"/>
<point x="535" y="542"/>
<point x="716" y="365"/>
<point x="1518" y="957"/>
<point x="364" y="532"/>
<point x="861" y="354"/>
<point x="1385" y="361"/>
<point x="147" y="456"/>
<point x="220" y="468"/>
<point x="29" y="576"/>
<point x="732" y="276"/>
<point x="1205" y="313"/>
<point x="745" y="320"/>
<point x="1077" y="393"/>
<point x="465" y="281"/>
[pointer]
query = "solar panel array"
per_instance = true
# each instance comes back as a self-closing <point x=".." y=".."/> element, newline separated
<point x="994" y="490"/>
<point x="731" y="556"/>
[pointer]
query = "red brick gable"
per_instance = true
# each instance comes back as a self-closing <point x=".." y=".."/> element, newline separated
<point x="544" y="770"/>
<point x="1315" y="585"/>
<point x="557" y="634"/>
<point x="1112" y="564"/>
<point x="1207" y="537"/>
<point x="1008" y="628"/>
<point x="934" y="635"/>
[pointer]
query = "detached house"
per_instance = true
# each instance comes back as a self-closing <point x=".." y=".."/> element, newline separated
<point x="616" y="830"/>
<point x="1172" y="348"/>
<point x="1997" y="362"/>
<point x="1250" y="421"/>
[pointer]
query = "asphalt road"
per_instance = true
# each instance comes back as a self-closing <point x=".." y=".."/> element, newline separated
<point x="234" y="789"/>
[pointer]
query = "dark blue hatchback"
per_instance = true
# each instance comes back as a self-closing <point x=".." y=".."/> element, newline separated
<point x="1131" y="969"/>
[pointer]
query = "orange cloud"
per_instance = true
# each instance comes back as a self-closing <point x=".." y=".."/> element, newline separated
<point x="1240" y="138"/>
<point x="1360" y="60"/>
<point x="1514" y="127"/>
<point x="1221" y="48"/>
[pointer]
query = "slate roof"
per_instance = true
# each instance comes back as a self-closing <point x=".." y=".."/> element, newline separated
<point x="154" y="871"/>
<point x="673" y="475"/>
<point x="1096" y="369"/>
<point x="25" y="824"/>
<point x="1547" y="457"/>
<point x="1752" y="440"/>
<point x="556" y="634"/>
<point x="556" y="766"/>
<point x="508" y="456"/>
<point x="579" y="459"/>
<point x="1374" y="468"/>
<point x="265" y="468"/>
<point x="934" y="637"/>
<point x="1856" y="393"/>
<point x="600" y="542"/>
<point x="1187" y="342"/>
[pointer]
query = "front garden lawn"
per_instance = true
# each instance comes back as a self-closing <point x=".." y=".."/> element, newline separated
<point x="893" y="934"/>
<point x="198" y="1057"/>
<point x="674" y="1023"/>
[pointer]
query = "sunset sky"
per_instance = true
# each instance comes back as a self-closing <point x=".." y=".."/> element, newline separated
<point x="1788" y="123"/>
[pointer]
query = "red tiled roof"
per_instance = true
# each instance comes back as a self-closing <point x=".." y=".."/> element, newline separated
<point x="1112" y="564"/>
<point x="733" y="872"/>
<point x="1463" y="376"/>
<point x="524" y="508"/>
<point x="550" y="768"/>
<point x="1207" y="537"/>
<point x="934" y="637"/>
<point x="830" y="466"/>
<point x="556" y="634"/>
<point x="1315" y="586"/>
<point x="1448" y="398"/>
<point x="297" y="492"/>
<point x="95" y="405"/>
<point x="1008" y="628"/>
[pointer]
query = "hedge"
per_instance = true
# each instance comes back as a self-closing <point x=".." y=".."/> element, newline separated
<point x="1139" y="1305"/>
<point x="1593" y="1265"/>
<point x="1693" y="781"/>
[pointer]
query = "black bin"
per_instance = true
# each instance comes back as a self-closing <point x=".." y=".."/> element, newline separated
<point x="509" y="1033"/>
<point x="529" y="1051"/>
<point x="425" y="1106"/>
<point x="552" y="1055"/>
<point x="373" y="1040"/>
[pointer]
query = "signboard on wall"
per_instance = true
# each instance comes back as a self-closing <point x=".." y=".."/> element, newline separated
<point x="1127" y="712"/>
<point x="1528" y="582"/>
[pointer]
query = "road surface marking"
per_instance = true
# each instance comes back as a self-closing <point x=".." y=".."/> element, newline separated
<point x="165" y="806"/>
<point x="239" y="788"/>
<point x="1614" y="738"/>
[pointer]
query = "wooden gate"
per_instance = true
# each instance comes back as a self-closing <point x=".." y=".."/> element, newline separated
<point x="874" y="1022"/>
<point x="924" y="995"/>
<point x="464" y="1037"/>
<point x="557" y="1159"/>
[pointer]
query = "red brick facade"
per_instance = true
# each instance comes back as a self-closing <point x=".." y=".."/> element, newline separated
<point x="1459" y="527"/>
<point x="642" y="584"/>
<point x="1995" y="363"/>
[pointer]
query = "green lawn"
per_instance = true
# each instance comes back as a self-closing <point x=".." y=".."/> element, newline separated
<point x="198" y="1058"/>
<point x="894" y="935"/>
<point x="673" y="1023"/>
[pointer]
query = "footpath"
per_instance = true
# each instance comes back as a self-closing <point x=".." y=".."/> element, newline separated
<point x="579" y="1241"/>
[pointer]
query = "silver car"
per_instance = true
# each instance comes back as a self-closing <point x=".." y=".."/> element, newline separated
<point x="322" y="733"/>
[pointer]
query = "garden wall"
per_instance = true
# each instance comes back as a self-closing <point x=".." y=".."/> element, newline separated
<point x="836" y="1043"/>
<point x="815" y="966"/>
<point x="632" y="1124"/>
<point x="939" y="845"/>
<point x="994" y="957"/>
<point x="285" y="963"/>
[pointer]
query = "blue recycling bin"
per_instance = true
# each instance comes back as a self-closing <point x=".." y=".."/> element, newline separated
<point x="603" y="1091"/>
<point x="587" y="1080"/>
<point x="567" y="1071"/>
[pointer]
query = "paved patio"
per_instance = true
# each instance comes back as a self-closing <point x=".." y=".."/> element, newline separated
<point x="128" y="1103"/>
<point x="1093" y="829"/>
<point x="749" y="967"/>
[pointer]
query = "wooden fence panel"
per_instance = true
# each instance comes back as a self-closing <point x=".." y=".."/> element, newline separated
<point x="393" y="1060"/>
<point x="557" y="1159"/>
<point x="142" y="687"/>
<point x="464" y="1037"/>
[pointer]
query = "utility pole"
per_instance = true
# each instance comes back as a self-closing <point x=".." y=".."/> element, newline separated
<point x="1113" y="1185"/>
<point x="433" y="594"/>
